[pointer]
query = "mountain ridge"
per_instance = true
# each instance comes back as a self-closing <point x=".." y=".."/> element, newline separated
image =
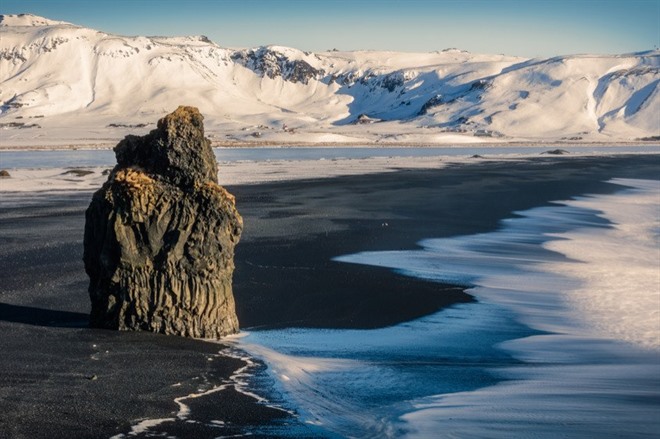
<point x="66" y="81"/>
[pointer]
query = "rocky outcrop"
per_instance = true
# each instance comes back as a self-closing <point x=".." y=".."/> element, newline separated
<point x="556" y="152"/>
<point x="273" y="64"/>
<point x="160" y="236"/>
<point x="393" y="80"/>
<point x="375" y="80"/>
<point x="431" y="103"/>
<point x="364" y="119"/>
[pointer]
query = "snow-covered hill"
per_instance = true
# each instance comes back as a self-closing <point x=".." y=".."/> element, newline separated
<point x="61" y="82"/>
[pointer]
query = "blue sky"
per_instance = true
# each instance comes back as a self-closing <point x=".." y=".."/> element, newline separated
<point x="514" y="27"/>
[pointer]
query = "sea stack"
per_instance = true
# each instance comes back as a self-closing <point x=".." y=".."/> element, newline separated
<point x="160" y="236"/>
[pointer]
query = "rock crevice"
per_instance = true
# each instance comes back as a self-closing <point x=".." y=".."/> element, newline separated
<point x="160" y="236"/>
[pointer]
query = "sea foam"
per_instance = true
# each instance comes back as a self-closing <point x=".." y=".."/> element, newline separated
<point x="581" y="276"/>
<point x="619" y="274"/>
<point x="603" y="275"/>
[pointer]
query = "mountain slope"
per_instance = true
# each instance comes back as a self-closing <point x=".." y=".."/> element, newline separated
<point x="58" y="80"/>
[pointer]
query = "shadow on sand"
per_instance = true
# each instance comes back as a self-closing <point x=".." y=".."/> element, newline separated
<point x="42" y="317"/>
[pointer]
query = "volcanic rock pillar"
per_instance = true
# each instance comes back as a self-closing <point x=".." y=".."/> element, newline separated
<point x="160" y="236"/>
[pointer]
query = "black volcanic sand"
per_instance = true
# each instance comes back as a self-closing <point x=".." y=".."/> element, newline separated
<point x="60" y="379"/>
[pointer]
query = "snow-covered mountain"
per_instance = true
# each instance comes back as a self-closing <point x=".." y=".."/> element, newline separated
<point x="62" y="81"/>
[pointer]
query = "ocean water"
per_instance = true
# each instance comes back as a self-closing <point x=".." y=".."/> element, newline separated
<point x="564" y="340"/>
<point x="106" y="157"/>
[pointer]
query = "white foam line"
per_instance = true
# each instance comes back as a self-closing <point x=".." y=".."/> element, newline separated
<point x="238" y="380"/>
<point x="142" y="427"/>
<point x="241" y="375"/>
<point x="294" y="373"/>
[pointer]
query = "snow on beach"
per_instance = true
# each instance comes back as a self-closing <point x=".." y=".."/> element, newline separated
<point x="55" y="170"/>
<point x="231" y="173"/>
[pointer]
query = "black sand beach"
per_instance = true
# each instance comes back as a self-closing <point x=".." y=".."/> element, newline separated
<point x="59" y="379"/>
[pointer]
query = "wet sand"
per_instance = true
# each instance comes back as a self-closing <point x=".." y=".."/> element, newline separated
<point x="60" y="379"/>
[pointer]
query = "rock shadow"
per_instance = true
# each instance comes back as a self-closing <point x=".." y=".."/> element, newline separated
<point x="42" y="317"/>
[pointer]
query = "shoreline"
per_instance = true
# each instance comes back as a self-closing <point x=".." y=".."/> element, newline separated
<point x="57" y="174"/>
<point x="90" y="145"/>
<point x="293" y="227"/>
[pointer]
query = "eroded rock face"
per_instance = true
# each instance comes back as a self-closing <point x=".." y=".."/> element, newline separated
<point x="160" y="236"/>
<point x="273" y="64"/>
